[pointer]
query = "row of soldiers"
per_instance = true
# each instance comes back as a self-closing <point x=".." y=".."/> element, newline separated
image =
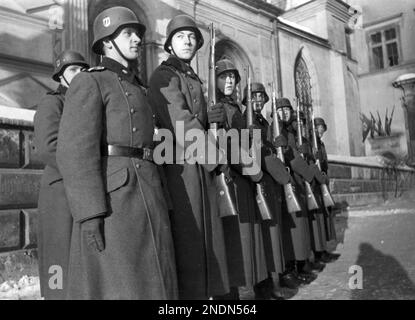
<point x="114" y="225"/>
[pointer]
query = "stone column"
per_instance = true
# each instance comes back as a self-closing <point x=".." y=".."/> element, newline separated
<point x="76" y="26"/>
<point x="406" y="82"/>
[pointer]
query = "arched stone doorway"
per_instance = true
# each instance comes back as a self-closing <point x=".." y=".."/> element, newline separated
<point x="228" y="49"/>
<point x="97" y="6"/>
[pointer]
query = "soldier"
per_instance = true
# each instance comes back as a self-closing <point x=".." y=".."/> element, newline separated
<point x="296" y="232"/>
<point x="315" y="217"/>
<point x="276" y="169"/>
<point x="277" y="176"/>
<point x="176" y="96"/>
<point x="121" y="242"/>
<point x="321" y="128"/>
<point x="243" y="235"/>
<point x="55" y="220"/>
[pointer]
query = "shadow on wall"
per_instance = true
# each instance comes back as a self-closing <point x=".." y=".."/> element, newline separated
<point x="384" y="278"/>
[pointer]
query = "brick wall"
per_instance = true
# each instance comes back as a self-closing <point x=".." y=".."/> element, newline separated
<point x="20" y="174"/>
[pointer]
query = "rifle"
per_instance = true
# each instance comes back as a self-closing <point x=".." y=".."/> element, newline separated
<point x="327" y="198"/>
<point x="224" y="184"/>
<point x="311" y="199"/>
<point x="290" y="198"/>
<point x="260" y="192"/>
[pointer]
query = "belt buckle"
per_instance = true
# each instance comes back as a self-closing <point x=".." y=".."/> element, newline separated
<point x="147" y="154"/>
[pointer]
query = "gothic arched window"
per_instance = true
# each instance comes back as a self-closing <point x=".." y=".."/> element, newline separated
<point x="303" y="90"/>
<point x="303" y="84"/>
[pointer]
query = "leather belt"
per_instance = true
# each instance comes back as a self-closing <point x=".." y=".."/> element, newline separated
<point x="130" y="152"/>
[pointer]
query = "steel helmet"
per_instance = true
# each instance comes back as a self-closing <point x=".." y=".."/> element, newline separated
<point x="182" y="22"/>
<point x="283" y="102"/>
<point x="255" y="87"/>
<point x="225" y="65"/>
<point x="110" y="21"/>
<point x="65" y="59"/>
<point x="320" y="121"/>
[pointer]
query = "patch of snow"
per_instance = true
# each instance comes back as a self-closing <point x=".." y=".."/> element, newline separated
<point x="27" y="288"/>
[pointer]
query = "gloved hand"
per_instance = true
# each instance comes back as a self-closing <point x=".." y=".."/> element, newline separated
<point x="280" y="141"/>
<point x="304" y="149"/>
<point x="223" y="168"/>
<point x="216" y="114"/>
<point x="319" y="155"/>
<point x="327" y="179"/>
<point x="257" y="177"/>
<point x="93" y="230"/>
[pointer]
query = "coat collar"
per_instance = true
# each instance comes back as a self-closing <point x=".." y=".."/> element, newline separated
<point x="125" y="73"/>
<point x="181" y="66"/>
<point x="228" y="100"/>
<point x="260" y="118"/>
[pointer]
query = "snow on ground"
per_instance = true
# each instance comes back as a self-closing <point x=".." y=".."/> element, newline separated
<point x="27" y="288"/>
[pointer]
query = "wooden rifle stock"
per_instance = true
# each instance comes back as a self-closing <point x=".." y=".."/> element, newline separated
<point x="225" y="188"/>
<point x="290" y="198"/>
<point x="261" y="194"/>
<point x="311" y="199"/>
<point x="327" y="198"/>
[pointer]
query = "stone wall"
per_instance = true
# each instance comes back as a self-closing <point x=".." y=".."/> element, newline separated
<point x="359" y="186"/>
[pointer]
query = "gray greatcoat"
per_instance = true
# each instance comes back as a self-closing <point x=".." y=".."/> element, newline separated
<point x="107" y="105"/>
<point x="175" y="94"/>
<point x="54" y="217"/>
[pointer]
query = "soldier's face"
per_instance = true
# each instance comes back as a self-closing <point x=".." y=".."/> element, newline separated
<point x="320" y="130"/>
<point x="284" y="114"/>
<point x="258" y="99"/>
<point x="183" y="44"/>
<point x="70" y="72"/>
<point x="226" y="83"/>
<point x="128" y="41"/>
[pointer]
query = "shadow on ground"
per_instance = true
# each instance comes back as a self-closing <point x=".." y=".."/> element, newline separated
<point x="384" y="278"/>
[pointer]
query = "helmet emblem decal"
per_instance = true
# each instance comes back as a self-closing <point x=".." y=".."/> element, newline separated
<point x="106" y="22"/>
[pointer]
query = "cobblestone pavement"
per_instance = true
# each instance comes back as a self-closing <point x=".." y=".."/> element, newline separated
<point x="379" y="239"/>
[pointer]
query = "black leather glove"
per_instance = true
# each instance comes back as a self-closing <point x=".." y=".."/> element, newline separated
<point x="223" y="168"/>
<point x="321" y="179"/>
<point x="280" y="141"/>
<point x="93" y="230"/>
<point x="327" y="178"/>
<point x="257" y="177"/>
<point x="216" y="114"/>
<point x="304" y="149"/>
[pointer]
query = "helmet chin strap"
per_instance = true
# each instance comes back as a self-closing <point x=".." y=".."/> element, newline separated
<point x="174" y="53"/>
<point x="66" y="81"/>
<point x="119" y="51"/>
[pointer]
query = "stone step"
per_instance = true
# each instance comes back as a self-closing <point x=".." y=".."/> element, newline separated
<point x="346" y="200"/>
<point x="345" y="186"/>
